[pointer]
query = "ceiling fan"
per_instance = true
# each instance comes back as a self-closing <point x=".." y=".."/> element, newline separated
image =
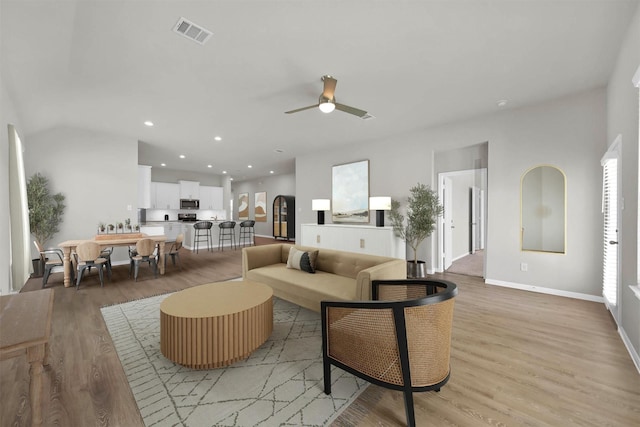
<point x="327" y="102"/>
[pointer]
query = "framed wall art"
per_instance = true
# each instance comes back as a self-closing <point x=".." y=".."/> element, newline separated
<point x="243" y="206"/>
<point x="260" y="207"/>
<point x="350" y="192"/>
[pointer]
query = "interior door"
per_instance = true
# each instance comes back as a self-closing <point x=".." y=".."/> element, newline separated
<point x="447" y="221"/>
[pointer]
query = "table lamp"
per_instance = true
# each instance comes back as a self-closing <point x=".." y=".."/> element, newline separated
<point x="320" y="205"/>
<point x="380" y="204"/>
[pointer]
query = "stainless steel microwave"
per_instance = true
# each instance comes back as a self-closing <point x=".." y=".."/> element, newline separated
<point x="189" y="204"/>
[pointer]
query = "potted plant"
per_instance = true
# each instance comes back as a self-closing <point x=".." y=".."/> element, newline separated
<point x="101" y="228"/>
<point x="127" y="224"/>
<point x="45" y="213"/>
<point x="111" y="227"/>
<point x="119" y="225"/>
<point x="423" y="210"/>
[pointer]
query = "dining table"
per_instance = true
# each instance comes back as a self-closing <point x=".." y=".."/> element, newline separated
<point x="69" y="246"/>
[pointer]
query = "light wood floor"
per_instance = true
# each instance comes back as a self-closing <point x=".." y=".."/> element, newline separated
<point x="518" y="359"/>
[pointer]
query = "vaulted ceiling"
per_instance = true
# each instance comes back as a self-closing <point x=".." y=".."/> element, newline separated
<point x="111" y="65"/>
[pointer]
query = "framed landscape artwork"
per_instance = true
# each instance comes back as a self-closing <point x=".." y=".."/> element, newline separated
<point x="243" y="206"/>
<point x="350" y="192"/>
<point x="260" y="207"/>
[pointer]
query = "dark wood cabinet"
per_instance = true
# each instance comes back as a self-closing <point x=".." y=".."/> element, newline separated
<point x="284" y="217"/>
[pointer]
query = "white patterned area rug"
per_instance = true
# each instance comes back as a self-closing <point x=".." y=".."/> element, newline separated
<point x="280" y="384"/>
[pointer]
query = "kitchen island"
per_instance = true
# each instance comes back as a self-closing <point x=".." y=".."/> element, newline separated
<point x="173" y="228"/>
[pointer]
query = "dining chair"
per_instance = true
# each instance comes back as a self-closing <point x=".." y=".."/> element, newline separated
<point x="174" y="251"/>
<point x="50" y="258"/>
<point x="145" y="252"/>
<point x="87" y="256"/>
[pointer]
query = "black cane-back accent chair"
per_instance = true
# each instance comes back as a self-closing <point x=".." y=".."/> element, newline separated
<point x="401" y="340"/>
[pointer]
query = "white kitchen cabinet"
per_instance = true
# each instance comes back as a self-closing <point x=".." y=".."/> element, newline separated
<point x="165" y="195"/>
<point x="144" y="187"/>
<point x="172" y="229"/>
<point x="189" y="189"/>
<point x="366" y="239"/>
<point x="211" y="197"/>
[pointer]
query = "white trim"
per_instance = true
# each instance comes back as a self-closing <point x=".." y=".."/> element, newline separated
<point x="632" y="351"/>
<point x="636" y="78"/>
<point x="541" y="290"/>
<point x="636" y="290"/>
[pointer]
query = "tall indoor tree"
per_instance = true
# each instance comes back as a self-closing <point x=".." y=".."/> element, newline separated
<point x="423" y="210"/>
<point x="45" y="209"/>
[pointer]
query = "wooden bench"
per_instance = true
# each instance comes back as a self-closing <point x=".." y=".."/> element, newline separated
<point x="25" y="326"/>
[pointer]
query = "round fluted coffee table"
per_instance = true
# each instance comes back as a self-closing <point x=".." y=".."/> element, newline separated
<point x="216" y="324"/>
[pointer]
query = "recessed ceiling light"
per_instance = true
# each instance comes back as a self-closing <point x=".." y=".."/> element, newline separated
<point x="271" y="172"/>
<point x="502" y="103"/>
<point x="231" y="179"/>
<point x="209" y="166"/>
<point x="217" y="138"/>
<point x="182" y="156"/>
<point x="224" y="172"/>
<point x="148" y="123"/>
<point x="163" y="164"/>
<point x="249" y="166"/>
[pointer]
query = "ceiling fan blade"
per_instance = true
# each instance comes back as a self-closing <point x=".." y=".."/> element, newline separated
<point x="351" y="110"/>
<point x="301" y="109"/>
<point x="329" y="87"/>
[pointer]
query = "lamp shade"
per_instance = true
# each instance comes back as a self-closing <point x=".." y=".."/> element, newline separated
<point x="380" y="203"/>
<point x="321" y="204"/>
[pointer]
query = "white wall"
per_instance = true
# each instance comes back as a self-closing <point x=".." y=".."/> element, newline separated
<point x="97" y="173"/>
<point x="274" y="186"/>
<point x="622" y="119"/>
<point x="568" y="132"/>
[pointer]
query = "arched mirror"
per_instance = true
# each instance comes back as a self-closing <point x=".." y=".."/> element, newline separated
<point x="543" y="204"/>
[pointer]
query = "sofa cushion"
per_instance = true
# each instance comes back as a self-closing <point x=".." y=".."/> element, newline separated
<point x="318" y="287"/>
<point x="302" y="260"/>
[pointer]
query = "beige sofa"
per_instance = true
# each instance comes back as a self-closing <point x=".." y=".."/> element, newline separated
<point x="339" y="276"/>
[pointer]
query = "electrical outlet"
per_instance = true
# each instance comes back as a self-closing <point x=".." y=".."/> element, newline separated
<point x="317" y="238"/>
<point x="361" y="243"/>
<point x="524" y="266"/>
<point x="129" y="207"/>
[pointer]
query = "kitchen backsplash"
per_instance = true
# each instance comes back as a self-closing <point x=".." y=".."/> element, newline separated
<point x="158" y="214"/>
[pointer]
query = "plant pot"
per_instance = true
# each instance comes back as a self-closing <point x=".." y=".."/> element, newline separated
<point x="38" y="268"/>
<point x="416" y="270"/>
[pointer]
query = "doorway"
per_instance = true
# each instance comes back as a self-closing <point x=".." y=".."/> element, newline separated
<point x="463" y="224"/>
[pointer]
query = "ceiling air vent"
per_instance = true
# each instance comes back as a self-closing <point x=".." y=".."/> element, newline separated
<point x="192" y="31"/>
<point x="367" y="117"/>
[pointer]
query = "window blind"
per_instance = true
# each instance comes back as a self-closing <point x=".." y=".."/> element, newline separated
<point x="610" y="232"/>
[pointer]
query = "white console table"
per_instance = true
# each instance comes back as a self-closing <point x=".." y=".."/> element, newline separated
<point x="366" y="239"/>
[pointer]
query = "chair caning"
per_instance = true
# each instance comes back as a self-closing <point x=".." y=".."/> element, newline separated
<point x="401" y="292"/>
<point x="352" y="335"/>
<point x="429" y="342"/>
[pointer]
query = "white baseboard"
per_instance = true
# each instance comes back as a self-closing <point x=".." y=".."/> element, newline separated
<point x="632" y="352"/>
<point x="551" y="291"/>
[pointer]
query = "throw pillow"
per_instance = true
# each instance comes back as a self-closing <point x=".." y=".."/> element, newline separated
<point x="301" y="260"/>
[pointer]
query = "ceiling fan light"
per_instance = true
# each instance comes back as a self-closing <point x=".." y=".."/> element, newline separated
<point x="327" y="106"/>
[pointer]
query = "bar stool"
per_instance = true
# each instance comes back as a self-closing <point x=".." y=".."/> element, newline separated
<point x="203" y="234"/>
<point x="227" y="232"/>
<point x="247" y="232"/>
